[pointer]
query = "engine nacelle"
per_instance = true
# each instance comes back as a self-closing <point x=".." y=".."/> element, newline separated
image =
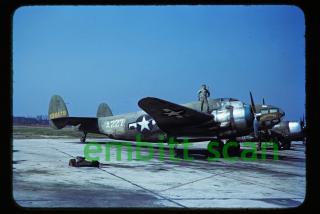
<point x="291" y="130"/>
<point x="232" y="115"/>
<point x="295" y="128"/>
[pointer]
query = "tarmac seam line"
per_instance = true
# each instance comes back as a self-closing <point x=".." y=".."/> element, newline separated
<point x="200" y="179"/>
<point x="143" y="188"/>
<point x="131" y="182"/>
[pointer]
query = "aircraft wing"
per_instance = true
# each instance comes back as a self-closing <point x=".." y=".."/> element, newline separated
<point x="178" y="120"/>
<point x="89" y="124"/>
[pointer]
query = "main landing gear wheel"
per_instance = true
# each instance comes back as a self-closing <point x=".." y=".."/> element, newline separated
<point x="234" y="147"/>
<point x="286" y="145"/>
<point x="178" y="153"/>
<point x="215" y="145"/>
<point x="83" y="138"/>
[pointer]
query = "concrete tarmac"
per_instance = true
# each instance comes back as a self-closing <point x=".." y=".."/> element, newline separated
<point x="43" y="178"/>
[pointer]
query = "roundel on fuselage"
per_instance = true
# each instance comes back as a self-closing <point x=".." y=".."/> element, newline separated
<point x="143" y="124"/>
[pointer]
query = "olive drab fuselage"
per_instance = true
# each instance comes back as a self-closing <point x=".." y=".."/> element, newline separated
<point x="235" y="118"/>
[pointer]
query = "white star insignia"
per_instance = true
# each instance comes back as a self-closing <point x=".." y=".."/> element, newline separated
<point x="144" y="124"/>
<point x="171" y="113"/>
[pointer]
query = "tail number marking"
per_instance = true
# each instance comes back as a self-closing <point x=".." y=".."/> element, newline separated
<point x="58" y="114"/>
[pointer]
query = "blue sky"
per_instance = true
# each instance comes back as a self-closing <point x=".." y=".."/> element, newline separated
<point x="120" y="54"/>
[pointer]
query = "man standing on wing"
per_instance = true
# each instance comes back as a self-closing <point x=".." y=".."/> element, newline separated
<point x="203" y="95"/>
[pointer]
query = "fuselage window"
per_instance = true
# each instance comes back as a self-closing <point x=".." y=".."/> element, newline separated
<point x="273" y="110"/>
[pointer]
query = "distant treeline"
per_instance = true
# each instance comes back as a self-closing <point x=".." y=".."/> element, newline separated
<point x="38" y="120"/>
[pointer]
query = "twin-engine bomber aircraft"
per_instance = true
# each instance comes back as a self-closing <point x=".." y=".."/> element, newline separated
<point x="228" y="118"/>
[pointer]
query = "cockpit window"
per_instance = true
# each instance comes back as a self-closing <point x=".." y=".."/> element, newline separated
<point x="273" y="110"/>
<point x="232" y="99"/>
<point x="228" y="99"/>
<point x="236" y="104"/>
<point x="264" y="111"/>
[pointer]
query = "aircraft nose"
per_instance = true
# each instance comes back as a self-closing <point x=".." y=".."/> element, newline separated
<point x="282" y="113"/>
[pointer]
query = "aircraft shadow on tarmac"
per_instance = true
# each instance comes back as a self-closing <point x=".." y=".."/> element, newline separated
<point x="203" y="154"/>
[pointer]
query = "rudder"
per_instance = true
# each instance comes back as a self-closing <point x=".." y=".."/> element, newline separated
<point x="57" y="109"/>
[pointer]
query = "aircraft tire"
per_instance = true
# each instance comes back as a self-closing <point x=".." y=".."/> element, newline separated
<point x="82" y="139"/>
<point x="219" y="148"/>
<point x="286" y="145"/>
<point x="233" y="151"/>
<point x="178" y="153"/>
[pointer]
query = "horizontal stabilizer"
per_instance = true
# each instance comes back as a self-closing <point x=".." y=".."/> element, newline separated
<point x="59" y="117"/>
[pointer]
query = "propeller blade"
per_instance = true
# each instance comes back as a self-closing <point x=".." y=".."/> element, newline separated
<point x="252" y="104"/>
<point x="263" y="101"/>
<point x="256" y="123"/>
<point x="256" y="127"/>
<point x="302" y="121"/>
